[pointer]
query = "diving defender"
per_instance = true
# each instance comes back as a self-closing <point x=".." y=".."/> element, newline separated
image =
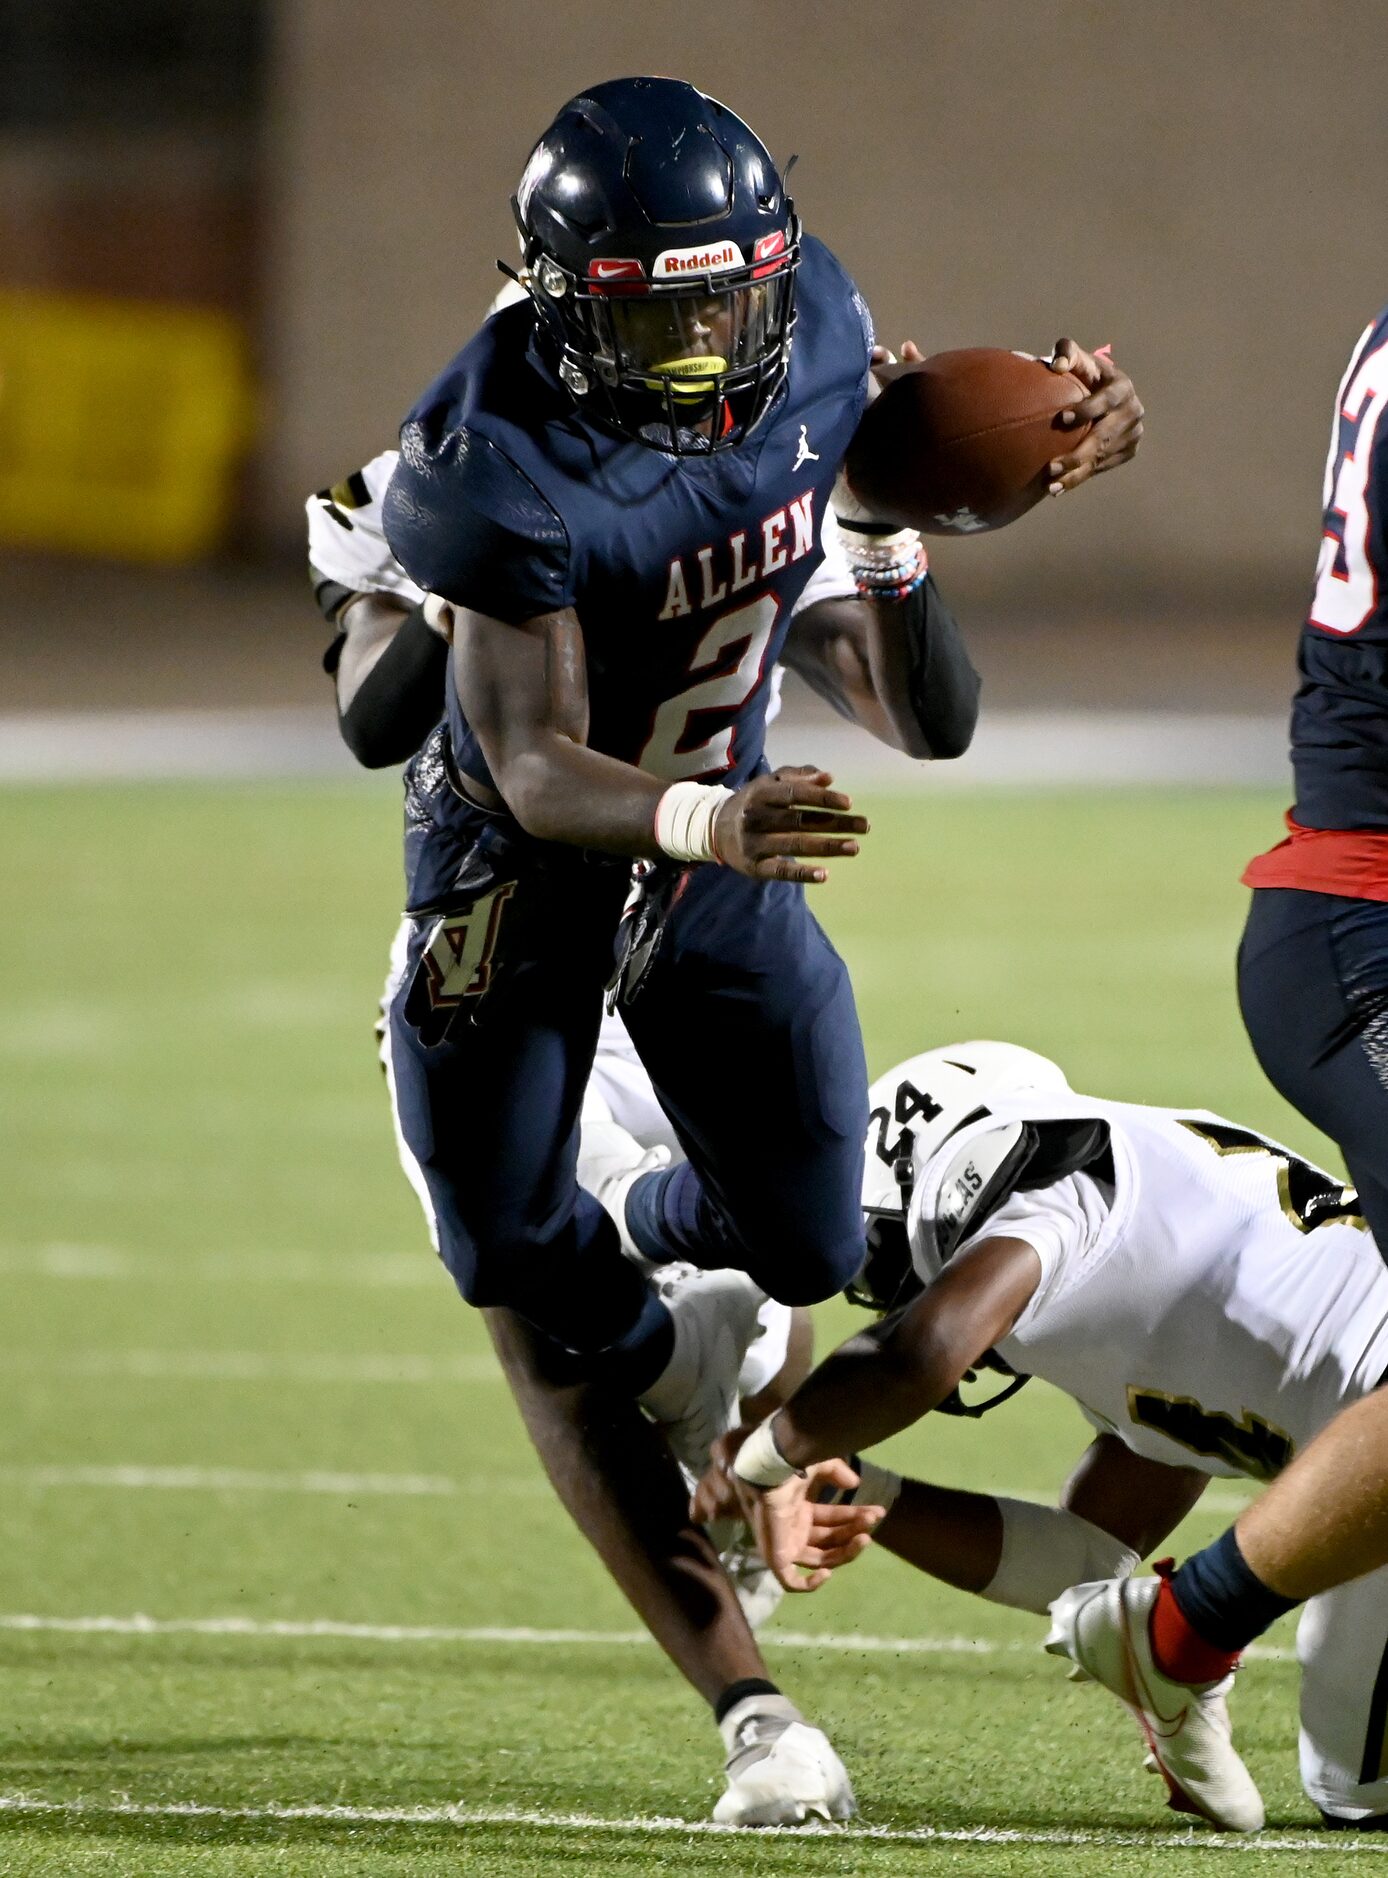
<point x="1216" y="1307"/>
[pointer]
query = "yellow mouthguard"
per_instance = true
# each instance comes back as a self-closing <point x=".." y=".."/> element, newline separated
<point x="694" y="376"/>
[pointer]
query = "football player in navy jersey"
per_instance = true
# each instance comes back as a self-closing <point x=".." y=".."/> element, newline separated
<point x="1313" y="965"/>
<point x="610" y="1468"/>
<point x="620" y="491"/>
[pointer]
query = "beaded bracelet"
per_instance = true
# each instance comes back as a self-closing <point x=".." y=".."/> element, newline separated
<point x="888" y="567"/>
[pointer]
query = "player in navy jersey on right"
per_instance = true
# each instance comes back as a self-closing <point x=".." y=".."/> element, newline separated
<point x="620" y="490"/>
<point x="1313" y="966"/>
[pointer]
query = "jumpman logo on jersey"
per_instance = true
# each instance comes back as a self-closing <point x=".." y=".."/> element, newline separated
<point x="803" y="452"/>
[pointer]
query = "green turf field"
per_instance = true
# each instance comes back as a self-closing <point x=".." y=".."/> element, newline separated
<point x="235" y="1387"/>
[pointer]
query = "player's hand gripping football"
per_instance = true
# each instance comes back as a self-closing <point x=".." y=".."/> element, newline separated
<point x="802" y="1539"/>
<point x="776" y="826"/>
<point x="1112" y="409"/>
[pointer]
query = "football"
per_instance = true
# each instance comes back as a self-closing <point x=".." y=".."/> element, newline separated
<point x="960" y="442"/>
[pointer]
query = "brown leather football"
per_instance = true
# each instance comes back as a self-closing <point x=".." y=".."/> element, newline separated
<point x="959" y="443"/>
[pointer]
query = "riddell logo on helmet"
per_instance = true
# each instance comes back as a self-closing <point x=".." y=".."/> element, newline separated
<point x="676" y="261"/>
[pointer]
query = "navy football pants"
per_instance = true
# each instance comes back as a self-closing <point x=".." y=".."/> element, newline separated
<point x="745" y="1022"/>
<point x="1313" y="988"/>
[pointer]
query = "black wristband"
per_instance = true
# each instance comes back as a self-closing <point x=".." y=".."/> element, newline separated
<point x="869" y="528"/>
<point x="330" y="595"/>
<point x="401" y="698"/>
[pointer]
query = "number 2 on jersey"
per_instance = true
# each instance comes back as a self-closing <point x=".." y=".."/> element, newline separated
<point x="691" y="735"/>
<point x="1346" y="579"/>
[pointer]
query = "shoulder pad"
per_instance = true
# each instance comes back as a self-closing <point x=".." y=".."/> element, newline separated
<point x="465" y="523"/>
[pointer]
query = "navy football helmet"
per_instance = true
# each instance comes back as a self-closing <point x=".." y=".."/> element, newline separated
<point x="660" y="251"/>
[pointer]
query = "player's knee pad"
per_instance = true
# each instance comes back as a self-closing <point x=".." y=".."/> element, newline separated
<point x="808" y="1270"/>
<point x="474" y="1284"/>
<point x="490" y="1263"/>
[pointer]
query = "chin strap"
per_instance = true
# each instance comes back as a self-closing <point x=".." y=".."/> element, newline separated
<point x="954" y="1403"/>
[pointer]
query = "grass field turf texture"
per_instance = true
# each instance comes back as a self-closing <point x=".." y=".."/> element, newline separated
<point x="236" y="1387"/>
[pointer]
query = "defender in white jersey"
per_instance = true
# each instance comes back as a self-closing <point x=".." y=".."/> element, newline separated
<point x="1210" y="1300"/>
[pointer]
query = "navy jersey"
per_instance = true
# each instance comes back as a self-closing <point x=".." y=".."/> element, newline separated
<point x="682" y="570"/>
<point x="1340" y="714"/>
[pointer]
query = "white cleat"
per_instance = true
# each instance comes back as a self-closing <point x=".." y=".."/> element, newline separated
<point x="759" y="1590"/>
<point x="781" y="1771"/>
<point x="695" y="1398"/>
<point x="1103" y="1628"/>
<point x="766" y="1354"/>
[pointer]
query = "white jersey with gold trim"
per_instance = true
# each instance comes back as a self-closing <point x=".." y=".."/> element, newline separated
<point x="346" y="540"/>
<point x="1210" y="1305"/>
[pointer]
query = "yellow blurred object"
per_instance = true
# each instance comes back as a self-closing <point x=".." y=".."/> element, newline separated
<point x="122" y="425"/>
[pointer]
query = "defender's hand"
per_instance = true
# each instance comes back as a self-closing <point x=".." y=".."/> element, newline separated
<point x="838" y="1534"/>
<point x="1112" y="407"/>
<point x="804" y="1542"/>
<point x="801" y="1540"/>
<point x="772" y="820"/>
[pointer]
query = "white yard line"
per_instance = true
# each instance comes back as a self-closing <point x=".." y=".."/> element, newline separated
<point x="86" y="1262"/>
<point x="1013" y="747"/>
<point x="463" y="1816"/>
<point x="312" y="1366"/>
<point x="230" y="1480"/>
<point x="845" y="1642"/>
<point x="134" y="1476"/>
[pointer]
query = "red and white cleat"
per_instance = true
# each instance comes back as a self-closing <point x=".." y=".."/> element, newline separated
<point x="1103" y="1628"/>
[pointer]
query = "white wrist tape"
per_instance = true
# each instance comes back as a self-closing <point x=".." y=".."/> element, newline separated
<point x="760" y="1462"/>
<point x="684" y="819"/>
<point x="875" y="550"/>
<point x="1045" y="1550"/>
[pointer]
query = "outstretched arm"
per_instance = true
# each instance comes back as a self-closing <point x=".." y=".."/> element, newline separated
<point x="388" y="664"/>
<point x="1115" y="1509"/>
<point x="870" y="1388"/>
<point x="889" y="1376"/>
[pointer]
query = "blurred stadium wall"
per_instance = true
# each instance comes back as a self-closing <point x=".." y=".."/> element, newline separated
<point x="1199" y="181"/>
<point x="238" y="236"/>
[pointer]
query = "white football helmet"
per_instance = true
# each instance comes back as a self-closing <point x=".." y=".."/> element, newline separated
<point x="918" y="1105"/>
<point x="916" y="1108"/>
